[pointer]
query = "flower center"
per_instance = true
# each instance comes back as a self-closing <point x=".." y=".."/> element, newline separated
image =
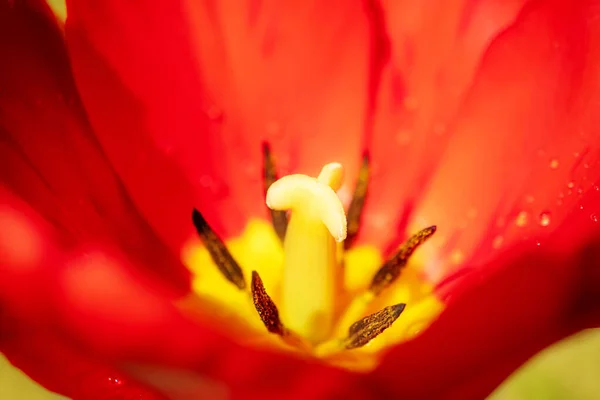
<point x="316" y="292"/>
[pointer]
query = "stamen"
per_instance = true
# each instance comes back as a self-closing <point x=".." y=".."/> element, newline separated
<point x="364" y="330"/>
<point x="310" y="263"/>
<point x="390" y="271"/>
<point x="269" y="315"/>
<point x="218" y="251"/>
<point x="315" y="284"/>
<point x="267" y="310"/>
<point x="358" y="201"/>
<point x="278" y="218"/>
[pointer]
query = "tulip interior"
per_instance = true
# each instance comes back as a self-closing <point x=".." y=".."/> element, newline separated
<point x="299" y="283"/>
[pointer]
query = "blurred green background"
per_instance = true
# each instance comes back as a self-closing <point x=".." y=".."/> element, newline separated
<point x="569" y="370"/>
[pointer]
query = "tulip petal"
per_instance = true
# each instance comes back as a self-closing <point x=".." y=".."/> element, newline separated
<point x="89" y="308"/>
<point x="435" y="49"/>
<point x="86" y="295"/>
<point x="183" y="94"/>
<point x="94" y="291"/>
<point x="49" y="153"/>
<point x="69" y="317"/>
<point x="499" y="316"/>
<point x="531" y="295"/>
<point x="63" y="369"/>
<point x="525" y="145"/>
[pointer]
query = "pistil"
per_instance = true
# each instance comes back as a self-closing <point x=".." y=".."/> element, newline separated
<point x="311" y="266"/>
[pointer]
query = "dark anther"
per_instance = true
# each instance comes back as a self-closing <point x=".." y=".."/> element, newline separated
<point x="278" y="218"/>
<point x="390" y="271"/>
<point x="358" y="201"/>
<point x="364" y="330"/>
<point x="267" y="310"/>
<point x="218" y="251"/>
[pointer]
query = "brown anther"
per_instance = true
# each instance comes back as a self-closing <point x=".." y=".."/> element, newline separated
<point x="267" y="310"/>
<point x="364" y="330"/>
<point x="390" y="270"/>
<point x="218" y="251"/>
<point x="358" y="201"/>
<point x="278" y="218"/>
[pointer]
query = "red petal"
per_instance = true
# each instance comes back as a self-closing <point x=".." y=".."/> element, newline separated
<point x="94" y="292"/>
<point x="183" y="94"/>
<point x="50" y="155"/>
<point x="90" y="295"/>
<point x="101" y="306"/>
<point x="95" y="301"/>
<point x="435" y="47"/>
<point x="63" y="369"/>
<point x="504" y="312"/>
<point x="31" y="309"/>
<point x="92" y="300"/>
<point x="527" y="138"/>
<point x="498" y="317"/>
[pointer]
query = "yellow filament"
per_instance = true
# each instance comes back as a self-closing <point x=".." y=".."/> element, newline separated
<point x="317" y="221"/>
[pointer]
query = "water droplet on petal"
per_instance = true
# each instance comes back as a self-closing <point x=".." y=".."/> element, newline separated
<point x="403" y="137"/>
<point x="571" y="185"/>
<point x="169" y="150"/>
<point x="439" y="129"/>
<point x="115" y="381"/>
<point x="206" y="181"/>
<point x="554" y="163"/>
<point x="497" y="242"/>
<point x="457" y="257"/>
<point x="581" y="206"/>
<point x="541" y="152"/>
<point x="522" y="219"/>
<point x="545" y="218"/>
<point x="411" y="103"/>
<point x="472" y="213"/>
<point x="529" y="199"/>
<point x="273" y="129"/>
<point x="214" y="113"/>
<point x="251" y="170"/>
<point x="594" y="218"/>
<point x="597" y="188"/>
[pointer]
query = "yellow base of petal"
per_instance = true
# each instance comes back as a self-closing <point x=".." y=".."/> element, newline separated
<point x="217" y="300"/>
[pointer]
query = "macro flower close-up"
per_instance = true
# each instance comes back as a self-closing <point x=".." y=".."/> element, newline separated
<point x="290" y="199"/>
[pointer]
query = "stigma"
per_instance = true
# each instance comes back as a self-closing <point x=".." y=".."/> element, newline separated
<point x="317" y="221"/>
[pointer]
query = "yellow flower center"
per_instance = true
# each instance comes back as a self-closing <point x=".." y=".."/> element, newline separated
<point x="309" y="295"/>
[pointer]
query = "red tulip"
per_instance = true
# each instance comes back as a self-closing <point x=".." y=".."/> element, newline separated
<point x="478" y="116"/>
